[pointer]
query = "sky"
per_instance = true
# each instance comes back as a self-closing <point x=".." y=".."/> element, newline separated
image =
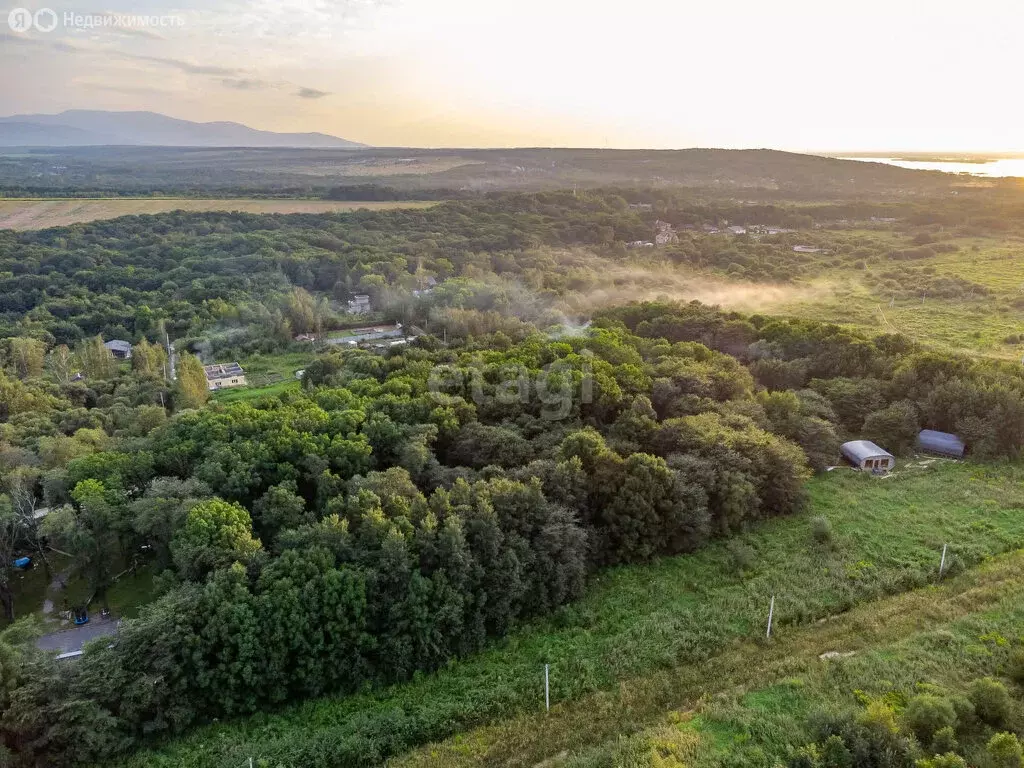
<point x="828" y="75"/>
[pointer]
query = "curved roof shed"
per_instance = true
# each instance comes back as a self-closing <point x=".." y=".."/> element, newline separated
<point x="942" y="443"/>
<point x="864" y="454"/>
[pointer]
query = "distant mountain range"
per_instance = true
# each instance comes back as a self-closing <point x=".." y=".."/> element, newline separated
<point x="82" y="128"/>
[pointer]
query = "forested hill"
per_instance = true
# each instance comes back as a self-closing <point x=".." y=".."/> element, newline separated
<point x="92" y="170"/>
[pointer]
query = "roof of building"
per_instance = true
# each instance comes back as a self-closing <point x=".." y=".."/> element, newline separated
<point x="222" y="371"/>
<point x="858" y="450"/>
<point x="118" y="345"/>
<point x="940" y="442"/>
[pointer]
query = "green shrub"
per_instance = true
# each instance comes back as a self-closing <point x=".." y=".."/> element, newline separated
<point x="1004" y="751"/>
<point x="1015" y="667"/>
<point x="806" y="757"/>
<point x="835" y="753"/>
<point x="741" y="556"/>
<point x="944" y="741"/>
<point x="964" y="710"/>
<point x="947" y="760"/>
<point x="991" y="701"/>
<point x="927" y="714"/>
<point x="821" y="530"/>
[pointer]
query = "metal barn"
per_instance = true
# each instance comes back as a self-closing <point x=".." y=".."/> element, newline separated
<point x="941" y="443"/>
<point x="863" y="454"/>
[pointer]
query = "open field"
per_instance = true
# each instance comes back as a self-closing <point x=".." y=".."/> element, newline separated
<point x="972" y="324"/>
<point x="746" y="706"/>
<point x="972" y="327"/>
<point x="43" y="213"/>
<point x="624" y="651"/>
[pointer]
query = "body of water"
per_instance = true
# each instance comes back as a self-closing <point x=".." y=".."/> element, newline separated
<point x="1000" y="167"/>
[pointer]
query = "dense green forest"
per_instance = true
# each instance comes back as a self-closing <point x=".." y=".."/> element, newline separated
<point x="120" y="278"/>
<point x="399" y="510"/>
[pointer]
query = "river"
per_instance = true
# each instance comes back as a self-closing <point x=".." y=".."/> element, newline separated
<point x="997" y="167"/>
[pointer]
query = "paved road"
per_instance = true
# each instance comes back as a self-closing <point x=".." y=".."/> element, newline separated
<point x="74" y="638"/>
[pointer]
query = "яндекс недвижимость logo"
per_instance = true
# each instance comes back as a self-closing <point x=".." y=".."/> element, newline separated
<point x="24" y="20"/>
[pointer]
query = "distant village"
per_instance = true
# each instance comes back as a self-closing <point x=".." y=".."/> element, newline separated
<point x="376" y="338"/>
<point x="666" y="234"/>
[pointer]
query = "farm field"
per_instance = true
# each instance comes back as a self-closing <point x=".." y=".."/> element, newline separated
<point x="26" y="214"/>
<point x="644" y="638"/>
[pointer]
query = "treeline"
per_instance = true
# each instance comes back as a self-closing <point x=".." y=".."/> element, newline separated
<point x="884" y="388"/>
<point x="354" y="192"/>
<point x="381" y="192"/>
<point x="735" y="173"/>
<point x="397" y="512"/>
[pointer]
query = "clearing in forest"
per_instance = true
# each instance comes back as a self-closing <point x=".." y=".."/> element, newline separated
<point x="25" y="214"/>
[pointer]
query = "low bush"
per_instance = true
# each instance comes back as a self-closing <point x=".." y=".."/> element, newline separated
<point x="821" y="530"/>
<point x="1004" y="751"/>
<point x="944" y="741"/>
<point x="927" y="714"/>
<point x="991" y="701"/>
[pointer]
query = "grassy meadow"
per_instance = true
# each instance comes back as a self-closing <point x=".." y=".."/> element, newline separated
<point x="648" y="639"/>
<point x="751" y="706"/>
<point x="990" y="325"/>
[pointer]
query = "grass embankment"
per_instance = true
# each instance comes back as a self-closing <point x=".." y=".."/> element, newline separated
<point x="25" y="214"/>
<point x="752" y="705"/>
<point x="653" y="624"/>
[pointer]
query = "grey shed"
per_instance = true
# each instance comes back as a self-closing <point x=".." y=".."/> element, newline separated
<point x="119" y="348"/>
<point x="942" y="443"/>
<point x="863" y="454"/>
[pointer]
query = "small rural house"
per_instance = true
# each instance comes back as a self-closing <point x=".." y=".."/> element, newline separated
<point x="120" y="349"/>
<point x="941" y="443"/>
<point x="863" y="454"/>
<point x="360" y="304"/>
<point x="224" y="375"/>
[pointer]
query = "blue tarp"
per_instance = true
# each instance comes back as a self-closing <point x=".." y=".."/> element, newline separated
<point x="942" y="443"/>
<point x="22" y="562"/>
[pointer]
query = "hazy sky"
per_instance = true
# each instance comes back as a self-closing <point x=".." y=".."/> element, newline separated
<point x="790" y="74"/>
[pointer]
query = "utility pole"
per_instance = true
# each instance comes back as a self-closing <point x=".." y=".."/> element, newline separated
<point x="547" y="691"/>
